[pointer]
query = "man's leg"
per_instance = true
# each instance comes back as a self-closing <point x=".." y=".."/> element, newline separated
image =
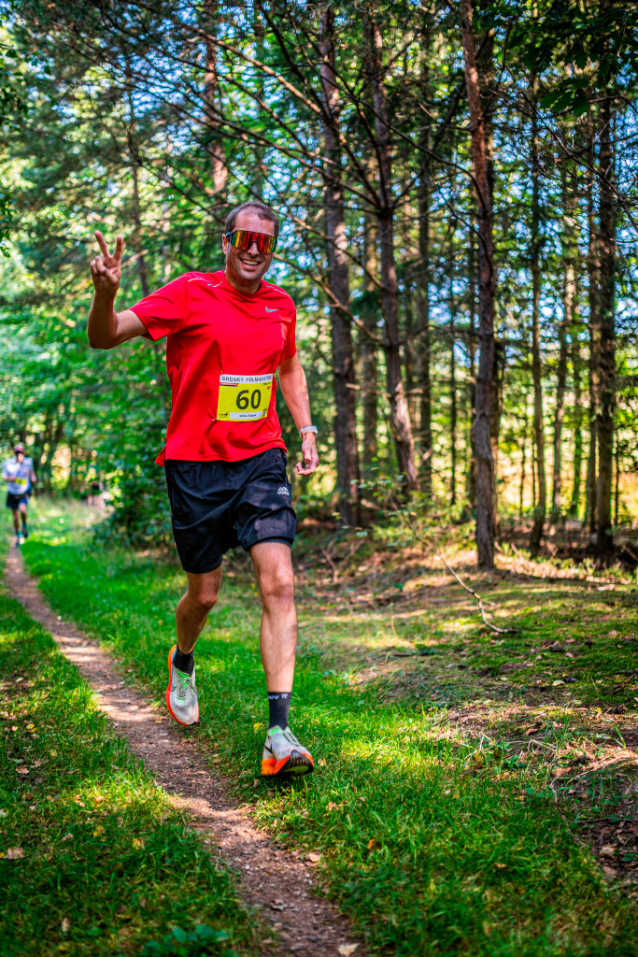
<point x="283" y="754"/>
<point x="191" y="615"/>
<point x="278" y="637"/>
<point x="194" y="607"/>
<point x="23" y="515"/>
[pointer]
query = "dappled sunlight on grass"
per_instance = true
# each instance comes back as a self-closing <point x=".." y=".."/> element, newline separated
<point x="105" y="862"/>
<point x="437" y="836"/>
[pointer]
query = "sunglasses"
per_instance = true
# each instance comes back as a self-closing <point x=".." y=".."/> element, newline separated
<point x="244" y="238"/>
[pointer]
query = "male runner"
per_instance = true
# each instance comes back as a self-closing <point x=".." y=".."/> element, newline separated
<point x="225" y="459"/>
<point x="19" y="475"/>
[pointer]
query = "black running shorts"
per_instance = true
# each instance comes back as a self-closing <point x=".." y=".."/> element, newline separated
<point x="16" y="499"/>
<point x="216" y="506"/>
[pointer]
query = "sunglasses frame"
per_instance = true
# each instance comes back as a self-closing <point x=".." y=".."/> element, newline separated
<point x="252" y="233"/>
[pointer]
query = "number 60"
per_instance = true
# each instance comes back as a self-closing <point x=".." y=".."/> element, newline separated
<point x="243" y="401"/>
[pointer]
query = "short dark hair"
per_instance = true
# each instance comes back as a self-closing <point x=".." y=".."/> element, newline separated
<point x="263" y="211"/>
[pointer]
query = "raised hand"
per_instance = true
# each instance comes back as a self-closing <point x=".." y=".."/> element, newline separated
<point x="106" y="270"/>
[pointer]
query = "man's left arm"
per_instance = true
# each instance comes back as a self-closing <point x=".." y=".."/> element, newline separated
<point x="292" y="382"/>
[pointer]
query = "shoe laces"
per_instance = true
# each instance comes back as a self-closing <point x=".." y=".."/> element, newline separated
<point x="183" y="684"/>
<point x="287" y="736"/>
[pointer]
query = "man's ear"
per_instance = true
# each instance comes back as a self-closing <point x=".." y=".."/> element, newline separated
<point x="224" y="244"/>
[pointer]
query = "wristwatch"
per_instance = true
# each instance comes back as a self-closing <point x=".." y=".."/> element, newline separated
<point x="308" y="428"/>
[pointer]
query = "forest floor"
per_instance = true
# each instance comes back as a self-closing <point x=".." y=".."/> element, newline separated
<point x="476" y="792"/>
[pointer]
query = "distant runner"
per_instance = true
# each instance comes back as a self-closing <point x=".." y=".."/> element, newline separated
<point x="228" y="333"/>
<point x="19" y="475"/>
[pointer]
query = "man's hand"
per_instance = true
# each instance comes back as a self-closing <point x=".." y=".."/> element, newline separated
<point x="106" y="270"/>
<point x="310" y="455"/>
<point x="106" y="327"/>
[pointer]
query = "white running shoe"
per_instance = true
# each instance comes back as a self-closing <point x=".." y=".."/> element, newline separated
<point x="283" y="755"/>
<point x="181" y="693"/>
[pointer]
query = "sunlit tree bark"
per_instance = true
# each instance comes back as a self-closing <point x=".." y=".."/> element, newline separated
<point x="485" y="491"/>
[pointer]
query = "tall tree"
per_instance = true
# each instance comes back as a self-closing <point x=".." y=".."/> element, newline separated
<point x="423" y="281"/>
<point x="566" y="323"/>
<point x="577" y="416"/>
<point x="607" y="323"/>
<point x="399" y="417"/>
<point x="540" y="506"/>
<point x="368" y="348"/>
<point x="342" y="349"/>
<point x="213" y="127"/>
<point x="485" y="486"/>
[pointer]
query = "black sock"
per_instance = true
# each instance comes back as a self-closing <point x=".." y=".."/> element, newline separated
<point x="184" y="663"/>
<point x="278" y="706"/>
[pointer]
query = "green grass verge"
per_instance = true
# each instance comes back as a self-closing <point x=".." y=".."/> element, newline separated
<point x="93" y="858"/>
<point x="422" y="843"/>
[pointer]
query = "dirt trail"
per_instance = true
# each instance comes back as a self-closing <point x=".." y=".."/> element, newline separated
<point x="273" y="881"/>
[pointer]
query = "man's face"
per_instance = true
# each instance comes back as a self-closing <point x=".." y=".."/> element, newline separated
<point x="19" y="456"/>
<point x="246" y="267"/>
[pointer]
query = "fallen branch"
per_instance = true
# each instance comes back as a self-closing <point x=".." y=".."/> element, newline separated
<point x="477" y="597"/>
<point x="333" y="567"/>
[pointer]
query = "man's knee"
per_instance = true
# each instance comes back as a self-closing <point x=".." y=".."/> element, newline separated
<point x="204" y="599"/>
<point x="276" y="586"/>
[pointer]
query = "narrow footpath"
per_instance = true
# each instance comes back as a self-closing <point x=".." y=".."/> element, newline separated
<point x="274" y="882"/>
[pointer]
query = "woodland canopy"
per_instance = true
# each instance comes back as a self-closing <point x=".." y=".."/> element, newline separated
<point x="458" y="194"/>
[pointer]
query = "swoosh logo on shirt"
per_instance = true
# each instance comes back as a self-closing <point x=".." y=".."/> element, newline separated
<point x="270" y="310"/>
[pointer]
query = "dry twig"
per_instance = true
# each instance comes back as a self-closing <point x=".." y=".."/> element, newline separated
<point x="477" y="597"/>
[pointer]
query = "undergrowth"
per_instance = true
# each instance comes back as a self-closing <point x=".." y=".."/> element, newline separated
<point x="434" y="844"/>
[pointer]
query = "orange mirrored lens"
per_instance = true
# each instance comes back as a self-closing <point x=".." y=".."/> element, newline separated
<point x="244" y="238"/>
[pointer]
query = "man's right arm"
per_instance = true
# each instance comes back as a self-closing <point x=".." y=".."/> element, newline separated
<point x="108" y="328"/>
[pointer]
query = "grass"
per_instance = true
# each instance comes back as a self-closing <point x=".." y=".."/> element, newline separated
<point x="434" y="840"/>
<point x="93" y="858"/>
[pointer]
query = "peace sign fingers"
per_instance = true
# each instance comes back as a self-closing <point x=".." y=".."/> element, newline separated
<point x="117" y="252"/>
<point x="106" y="270"/>
<point x="101" y="243"/>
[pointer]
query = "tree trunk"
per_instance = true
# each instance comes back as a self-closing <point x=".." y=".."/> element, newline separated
<point x="574" y="506"/>
<point x="342" y="351"/>
<point x="567" y="322"/>
<point x="453" y="410"/>
<point x="592" y="278"/>
<point x="540" y="505"/>
<point x="410" y="362"/>
<point x="472" y="470"/>
<point x="214" y="142"/>
<point x="423" y="282"/>
<point x="399" y="417"/>
<point x="485" y="492"/>
<point x="485" y="67"/>
<point x="521" y="489"/>
<point x="369" y="369"/>
<point x="607" y="339"/>
<point x="498" y="378"/>
<point x="617" y="481"/>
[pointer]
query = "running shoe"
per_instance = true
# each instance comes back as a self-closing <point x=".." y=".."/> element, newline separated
<point x="25" y="532"/>
<point x="181" y="694"/>
<point x="283" y="755"/>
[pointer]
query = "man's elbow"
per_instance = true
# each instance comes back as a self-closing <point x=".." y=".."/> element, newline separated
<point x="97" y="341"/>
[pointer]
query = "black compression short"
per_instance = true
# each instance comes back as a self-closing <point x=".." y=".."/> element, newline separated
<point x="216" y="506"/>
<point x="16" y="499"/>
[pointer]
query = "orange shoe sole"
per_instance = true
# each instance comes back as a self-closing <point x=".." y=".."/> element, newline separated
<point x="270" y="767"/>
<point x="168" y="691"/>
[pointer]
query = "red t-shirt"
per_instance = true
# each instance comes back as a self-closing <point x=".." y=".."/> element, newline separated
<point x="222" y="352"/>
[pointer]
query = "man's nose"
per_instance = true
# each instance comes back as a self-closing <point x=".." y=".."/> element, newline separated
<point x="253" y="249"/>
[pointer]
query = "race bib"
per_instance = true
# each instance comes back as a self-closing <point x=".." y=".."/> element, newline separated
<point x="244" y="398"/>
<point x="19" y="481"/>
